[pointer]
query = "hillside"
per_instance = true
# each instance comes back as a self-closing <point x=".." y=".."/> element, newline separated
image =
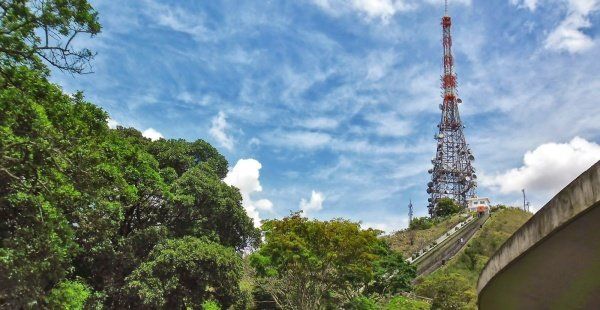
<point x="463" y="270"/>
<point x="400" y="240"/>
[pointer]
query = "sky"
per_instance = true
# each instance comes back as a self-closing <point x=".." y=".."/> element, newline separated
<point x="330" y="106"/>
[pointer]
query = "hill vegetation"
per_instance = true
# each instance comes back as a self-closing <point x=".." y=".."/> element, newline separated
<point x="423" y="232"/>
<point x="454" y="285"/>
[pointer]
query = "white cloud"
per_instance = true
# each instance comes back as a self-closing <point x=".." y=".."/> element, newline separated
<point x="383" y="9"/>
<point x="389" y="125"/>
<point x="254" y="142"/>
<point x="530" y="4"/>
<point x="245" y="176"/>
<point x="217" y="130"/>
<point x="380" y="9"/>
<point x="152" y="134"/>
<point x="178" y="19"/>
<point x="319" y="123"/>
<point x="388" y="225"/>
<point x="300" y="139"/>
<point x="112" y="124"/>
<point x="567" y="35"/>
<point x="547" y="169"/>
<point x="264" y="205"/>
<point x="314" y="204"/>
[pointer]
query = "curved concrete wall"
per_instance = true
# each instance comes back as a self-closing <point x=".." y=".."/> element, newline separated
<point x="571" y="203"/>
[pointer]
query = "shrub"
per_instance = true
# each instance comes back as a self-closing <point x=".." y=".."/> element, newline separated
<point x="210" y="305"/>
<point x="361" y="303"/>
<point x="401" y="302"/>
<point x="446" y="207"/>
<point x="448" y="291"/>
<point x="69" y="295"/>
<point x="421" y="223"/>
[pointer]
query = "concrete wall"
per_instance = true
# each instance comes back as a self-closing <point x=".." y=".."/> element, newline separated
<point x="571" y="203"/>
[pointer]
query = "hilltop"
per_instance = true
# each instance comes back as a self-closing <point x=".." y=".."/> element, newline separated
<point x="400" y="240"/>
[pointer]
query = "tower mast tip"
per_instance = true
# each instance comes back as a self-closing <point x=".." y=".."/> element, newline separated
<point x="445" y="7"/>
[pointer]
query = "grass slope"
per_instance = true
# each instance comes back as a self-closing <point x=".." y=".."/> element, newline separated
<point x="400" y="240"/>
<point x="468" y="263"/>
<point x="405" y="303"/>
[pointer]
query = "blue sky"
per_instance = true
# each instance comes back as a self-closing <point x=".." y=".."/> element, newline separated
<point x="333" y="104"/>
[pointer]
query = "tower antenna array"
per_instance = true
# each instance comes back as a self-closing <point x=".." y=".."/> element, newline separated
<point x="452" y="175"/>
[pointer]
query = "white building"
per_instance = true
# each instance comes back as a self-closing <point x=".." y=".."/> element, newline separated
<point x="478" y="204"/>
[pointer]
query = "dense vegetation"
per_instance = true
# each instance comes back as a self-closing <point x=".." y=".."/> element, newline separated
<point x="94" y="217"/>
<point x="108" y="212"/>
<point x="422" y="232"/>
<point x="454" y="285"/>
<point x="310" y="264"/>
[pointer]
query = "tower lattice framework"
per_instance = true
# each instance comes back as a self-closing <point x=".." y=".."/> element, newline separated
<point x="452" y="174"/>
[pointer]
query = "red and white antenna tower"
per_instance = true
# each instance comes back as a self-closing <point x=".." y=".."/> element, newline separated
<point x="452" y="175"/>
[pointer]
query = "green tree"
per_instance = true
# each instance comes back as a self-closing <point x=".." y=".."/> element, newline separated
<point x="78" y="199"/>
<point x="181" y="155"/>
<point x="204" y="205"/>
<point x="448" y="291"/>
<point x="105" y="207"/>
<point x="421" y="223"/>
<point x="70" y="295"/>
<point x="310" y="264"/>
<point x="445" y="207"/>
<point x="45" y="29"/>
<point x="183" y="273"/>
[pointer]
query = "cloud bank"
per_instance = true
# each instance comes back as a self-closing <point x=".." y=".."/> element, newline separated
<point x="245" y="176"/>
<point x="151" y="134"/>
<point x="548" y="168"/>
<point x="218" y="131"/>
<point x="314" y="204"/>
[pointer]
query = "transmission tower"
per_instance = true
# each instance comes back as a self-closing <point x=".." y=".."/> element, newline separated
<point x="452" y="174"/>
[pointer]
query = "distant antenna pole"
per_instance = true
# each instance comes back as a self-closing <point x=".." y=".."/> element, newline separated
<point x="446" y="7"/>
<point x="410" y="218"/>
<point x="410" y="212"/>
<point x="524" y="200"/>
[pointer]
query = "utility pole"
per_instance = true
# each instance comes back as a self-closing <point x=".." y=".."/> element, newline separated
<point x="524" y="201"/>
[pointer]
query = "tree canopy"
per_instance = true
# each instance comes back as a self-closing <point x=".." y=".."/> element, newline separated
<point x="311" y="264"/>
<point x="94" y="217"/>
<point x="82" y="203"/>
<point x="446" y="206"/>
<point x="46" y="29"/>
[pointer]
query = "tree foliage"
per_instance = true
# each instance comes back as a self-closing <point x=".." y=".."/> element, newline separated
<point x="80" y="200"/>
<point x="94" y="217"/>
<point x="182" y="273"/>
<point x="310" y="264"/>
<point x="448" y="291"/>
<point x="46" y="29"/>
<point x="445" y="207"/>
<point x="421" y="223"/>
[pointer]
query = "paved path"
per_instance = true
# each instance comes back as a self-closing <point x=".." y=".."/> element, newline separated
<point x="447" y="252"/>
<point x="446" y="235"/>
